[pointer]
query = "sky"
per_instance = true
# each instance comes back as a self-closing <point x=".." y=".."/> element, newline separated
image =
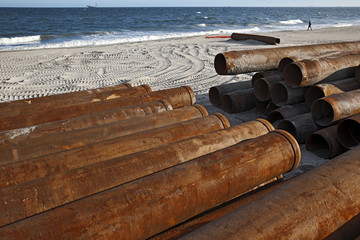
<point x="182" y="3"/>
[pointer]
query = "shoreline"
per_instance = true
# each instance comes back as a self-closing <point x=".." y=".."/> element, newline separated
<point x="161" y="64"/>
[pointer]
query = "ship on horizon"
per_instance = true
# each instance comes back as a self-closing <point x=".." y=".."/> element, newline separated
<point x="92" y="6"/>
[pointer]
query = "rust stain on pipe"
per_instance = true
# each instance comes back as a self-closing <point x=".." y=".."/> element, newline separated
<point x="261" y="38"/>
<point x="311" y="206"/>
<point x="299" y="126"/>
<point x="331" y="109"/>
<point x="324" y="143"/>
<point x="283" y="94"/>
<point x="49" y="165"/>
<point x="348" y="131"/>
<point x="287" y="111"/>
<point x="238" y="101"/>
<point x="308" y="72"/>
<point x="215" y="93"/>
<point x="177" y="97"/>
<point x="85" y="121"/>
<point x="12" y="150"/>
<point x="167" y="197"/>
<point x="57" y="189"/>
<point x="236" y="62"/>
<point x="263" y="86"/>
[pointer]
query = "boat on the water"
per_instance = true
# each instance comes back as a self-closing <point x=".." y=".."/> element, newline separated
<point x="92" y="6"/>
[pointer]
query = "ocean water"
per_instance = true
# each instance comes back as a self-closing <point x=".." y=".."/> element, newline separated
<point x="33" y="28"/>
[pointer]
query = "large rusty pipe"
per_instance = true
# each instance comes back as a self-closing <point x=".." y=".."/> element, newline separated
<point x="177" y="97"/>
<point x="308" y="72"/>
<point x="12" y="150"/>
<point x="350" y="230"/>
<point x="43" y="166"/>
<point x="348" y="131"/>
<point x="54" y="102"/>
<point x="311" y="206"/>
<point x="261" y="74"/>
<point x="330" y="109"/>
<point x="154" y="203"/>
<point x="324" y="143"/>
<point x="215" y="93"/>
<point x="261" y="38"/>
<point x="282" y="94"/>
<point x="263" y="86"/>
<point x="299" y="126"/>
<point x="217" y="212"/>
<point x="61" y="188"/>
<point x="287" y="111"/>
<point x="236" y="62"/>
<point x="238" y="101"/>
<point x="85" y="121"/>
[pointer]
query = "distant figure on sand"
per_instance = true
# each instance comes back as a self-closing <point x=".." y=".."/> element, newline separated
<point x="309" y="26"/>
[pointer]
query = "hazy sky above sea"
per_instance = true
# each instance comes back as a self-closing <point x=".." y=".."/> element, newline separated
<point x="182" y="3"/>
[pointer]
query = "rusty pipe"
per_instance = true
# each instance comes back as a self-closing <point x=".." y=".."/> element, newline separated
<point x="261" y="74"/>
<point x="348" y="131"/>
<point x="177" y="97"/>
<point x="287" y="111"/>
<point x="299" y="126"/>
<point x="67" y="186"/>
<point x="263" y="86"/>
<point x="326" y="89"/>
<point x="311" y="206"/>
<point x="286" y="61"/>
<point x="167" y="197"/>
<point x="13" y="151"/>
<point x="261" y="38"/>
<point x="215" y="93"/>
<point x="238" y="101"/>
<point x="236" y="62"/>
<point x="85" y="121"/>
<point x="44" y="166"/>
<point x="265" y="107"/>
<point x="283" y="94"/>
<point x="308" y="72"/>
<point x="324" y="143"/>
<point x="350" y="230"/>
<point x="330" y="109"/>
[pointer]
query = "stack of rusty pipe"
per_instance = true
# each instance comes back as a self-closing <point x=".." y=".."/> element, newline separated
<point x="133" y="155"/>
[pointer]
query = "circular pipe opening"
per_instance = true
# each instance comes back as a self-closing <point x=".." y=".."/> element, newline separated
<point x="262" y="89"/>
<point x="227" y="103"/>
<point x="214" y="96"/>
<point x="348" y="132"/>
<point x="313" y="93"/>
<point x="322" y="112"/>
<point x="289" y="127"/>
<point x="278" y="94"/>
<point x="293" y="75"/>
<point x="284" y="62"/>
<point x="274" y="116"/>
<point x="220" y="64"/>
<point x="318" y="145"/>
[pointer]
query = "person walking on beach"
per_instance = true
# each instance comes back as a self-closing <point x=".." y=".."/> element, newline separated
<point x="309" y="26"/>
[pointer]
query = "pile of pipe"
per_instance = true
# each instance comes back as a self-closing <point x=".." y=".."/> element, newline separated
<point x="124" y="162"/>
<point x="313" y="92"/>
<point x="305" y="90"/>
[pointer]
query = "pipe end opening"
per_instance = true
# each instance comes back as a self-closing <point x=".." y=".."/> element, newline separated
<point x="348" y="132"/>
<point x="322" y="112"/>
<point x="293" y="74"/>
<point x="262" y="89"/>
<point x="227" y="103"/>
<point x="312" y="94"/>
<point x="220" y="64"/>
<point x="214" y="96"/>
<point x="318" y="145"/>
<point x="279" y="94"/>
<point x="284" y="62"/>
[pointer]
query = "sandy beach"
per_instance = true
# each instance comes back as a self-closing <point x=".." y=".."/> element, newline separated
<point x="160" y="64"/>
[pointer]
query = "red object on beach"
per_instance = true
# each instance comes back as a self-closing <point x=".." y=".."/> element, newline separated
<point x="217" y="36"/>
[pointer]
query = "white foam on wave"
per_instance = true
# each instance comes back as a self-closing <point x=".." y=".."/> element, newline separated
<point x="291" y="22"/>
<point x="20" y="40"/>
<point x="201" y="25"/>
<point x="342" y="25"/>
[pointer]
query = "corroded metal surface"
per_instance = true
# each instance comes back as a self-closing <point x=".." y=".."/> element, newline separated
<point x="331" y="109"/>
<point x="266" y="39"/>
<point x="215" y="93"/>
<point x="308" y="72"/>
<point x="287" y="111"/>
<point x="85" y="121"/>
<point x="236" y="62"/>
<point x="177" y="97"/>
<point x="324" y="143"/>
<point x="299" y="126"/>
<point x="12" y="150"/>
<point x="263" y="86"/>
<point x="149" y="205"/>
<point x="348" y="131"/>
<point x="57" y="189"/>
<point x="238" y="101"/>
<point x="282" y="94"/>
<point x="311" y="206"/>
